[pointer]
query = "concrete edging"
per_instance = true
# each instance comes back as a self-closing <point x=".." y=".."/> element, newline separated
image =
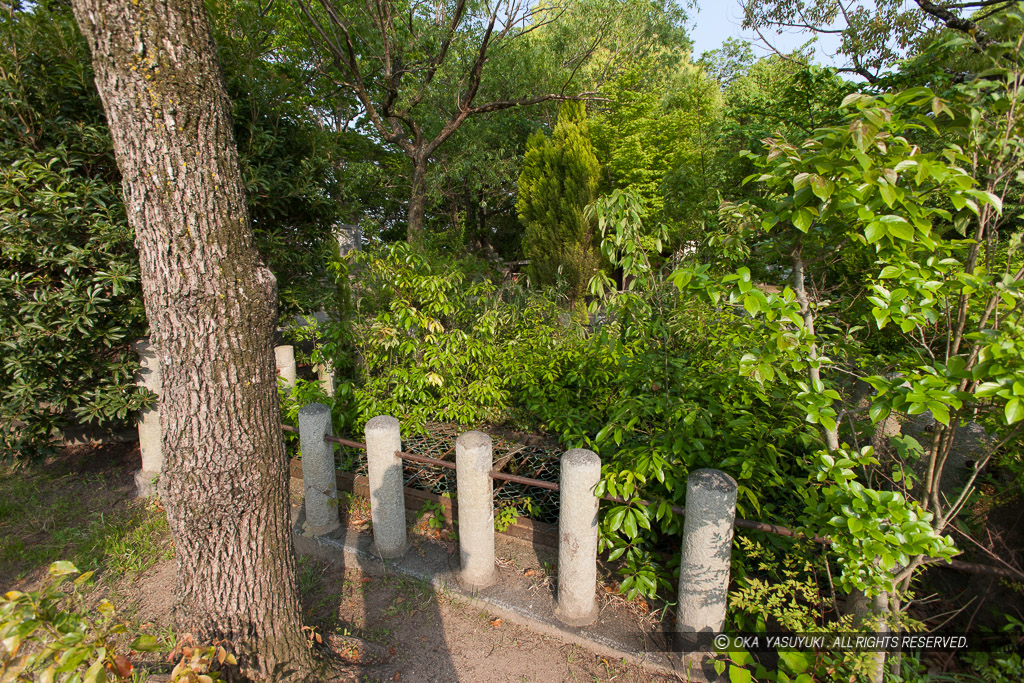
<point x="507" y="598"/>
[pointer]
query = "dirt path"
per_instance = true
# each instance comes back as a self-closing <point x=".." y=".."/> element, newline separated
<point x="390" y="628"/>
<point x="79" y="506"/>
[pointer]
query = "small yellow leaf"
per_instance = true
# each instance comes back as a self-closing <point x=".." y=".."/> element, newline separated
<point x="11" y="644"/>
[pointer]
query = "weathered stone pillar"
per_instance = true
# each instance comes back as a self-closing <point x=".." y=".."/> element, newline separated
<point x="349" y="236"/>
<point x="325" y="375"/>
<point x="387" y="496"/>
<point x="577" y="537"/>
<point x="284" y="358"/>
<point x="707" y="547"/>
<point x="318" y="470"/>
<point x="473" y="462"/>
<point x="150" y="440"/>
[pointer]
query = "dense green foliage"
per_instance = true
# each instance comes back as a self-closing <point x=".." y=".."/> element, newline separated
<point x="872" y="241"/>
<point x="559" y="180"/>
<point x="70" y="301"/>
<point x="751" y="265"/>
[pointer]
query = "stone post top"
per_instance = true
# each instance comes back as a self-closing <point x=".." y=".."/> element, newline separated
<point x="582" y="458"/>
<point x="314" y="409"/>
<point x="285" y="352"/>
<point x="712" y="479"/>
<point x="474" y="439"/>
<point x="382" y="423"/>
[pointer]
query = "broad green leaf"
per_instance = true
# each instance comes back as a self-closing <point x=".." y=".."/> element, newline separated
<point x="1014" y="410"/>
<point x="798" y="662"/>
<point x="145" y="643"/>
<point x="62" y="568"/>
<point x="822" y="187"/>
<point x="739" y="675"/>
<point x="874" y="232"/>
<point x="802" y="220"/>
<point x="901" y="230"/>
<point x="95" y="673"/>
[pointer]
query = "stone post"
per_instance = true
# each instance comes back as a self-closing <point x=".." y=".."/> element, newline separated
<point x="577" y="534"/>
<point x="325" y="375"/>
<point x="707" y="547"/>
<point x="349" y="236"/>
<point x="150" y="440"/>
<point x="318" y="470"/>
<point x="387" y="495"/>
<point x="473" y="462"/>
<point x="284" y="358"/>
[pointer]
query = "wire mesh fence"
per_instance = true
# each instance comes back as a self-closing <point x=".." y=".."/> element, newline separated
<point x="536" y="462"/>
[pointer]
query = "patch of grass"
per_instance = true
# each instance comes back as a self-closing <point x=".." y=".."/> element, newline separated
<point x="310" y="574"/>
<point x="128" y="543"/>
<point x="48" y="513"/>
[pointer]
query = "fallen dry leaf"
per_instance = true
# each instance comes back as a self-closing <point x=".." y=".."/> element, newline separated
<point x="496" y="622"/>
<point x="530" y="572"/>
<point x="122" y="667"/>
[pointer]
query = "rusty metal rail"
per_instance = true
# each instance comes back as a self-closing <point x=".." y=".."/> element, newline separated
<point x="778" y="530"/>
<point x="516" y="479"/>
<point x="425" y="459"/>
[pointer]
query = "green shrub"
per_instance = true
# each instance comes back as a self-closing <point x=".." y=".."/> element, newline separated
<point x="653" y="389"/>
<point x="70" y="300"/>
<point x="47" y="635"/>
<point x="559" y="179"/>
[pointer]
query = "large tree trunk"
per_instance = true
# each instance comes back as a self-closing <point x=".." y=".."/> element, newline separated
<point x="211" y="305"/>
<point x="417" y="201"/>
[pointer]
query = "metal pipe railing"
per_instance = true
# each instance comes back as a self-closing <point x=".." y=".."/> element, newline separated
<point x="778" y="530"/>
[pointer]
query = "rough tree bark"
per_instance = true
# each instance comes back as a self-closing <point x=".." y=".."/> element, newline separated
<point x="211" y="305"/>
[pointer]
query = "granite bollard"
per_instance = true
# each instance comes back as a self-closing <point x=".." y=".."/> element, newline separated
<point x="325" y="375"/>
<point x="150" y="439"/>
<point x="577" y="537"/>
<point x="473" y="462"/>
<point x="319" y="481"/>
<point x="707" y="547"/>
<point x="284" y="359"/>
<point x="387" y="496"/>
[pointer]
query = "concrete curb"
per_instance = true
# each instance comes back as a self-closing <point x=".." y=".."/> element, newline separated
<point x="511" y="598"/>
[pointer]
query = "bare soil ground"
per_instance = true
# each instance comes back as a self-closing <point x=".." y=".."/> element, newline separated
<point x="79" y="506"/>
<point x="389" y="628"/>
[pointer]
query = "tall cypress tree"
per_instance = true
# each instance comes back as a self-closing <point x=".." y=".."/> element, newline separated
<point x="559" y="179"/>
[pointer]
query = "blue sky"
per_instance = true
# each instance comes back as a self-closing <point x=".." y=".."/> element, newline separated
<point x="717" y="20"/>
